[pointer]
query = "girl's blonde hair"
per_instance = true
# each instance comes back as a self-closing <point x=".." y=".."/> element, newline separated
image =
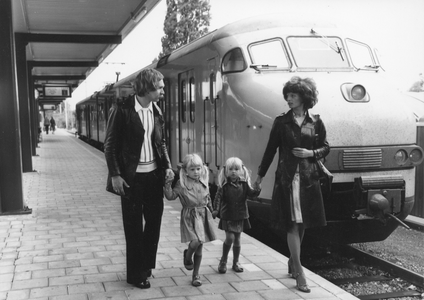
<point x="189" y="161"/>
<point x="233" y="162"/>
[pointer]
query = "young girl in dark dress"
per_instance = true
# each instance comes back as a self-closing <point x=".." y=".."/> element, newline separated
<point x="231" y="205"/>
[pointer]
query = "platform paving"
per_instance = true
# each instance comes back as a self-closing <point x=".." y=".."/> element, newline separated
<point x="72" y="246"/>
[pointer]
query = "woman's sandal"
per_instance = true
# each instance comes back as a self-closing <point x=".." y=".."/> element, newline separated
<point x="188" y="264"/>
<point x="291" y="268"/>
<point x="301" y="284"/>
<point x="196" y="280"/>
<point x="237" y="267"/>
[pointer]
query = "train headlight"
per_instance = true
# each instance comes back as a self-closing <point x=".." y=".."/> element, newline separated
<point x="416" y="156"/>
<point x="400" y="157"/>
<point x="358" y="92"/>
<point x="354" y="92"/>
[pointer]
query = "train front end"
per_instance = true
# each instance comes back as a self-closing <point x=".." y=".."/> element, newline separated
<point x="372" y="135"/>
<point x="373" y="158"/>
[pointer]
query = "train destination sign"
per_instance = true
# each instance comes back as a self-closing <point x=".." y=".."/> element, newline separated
<point x="57" y="91"/>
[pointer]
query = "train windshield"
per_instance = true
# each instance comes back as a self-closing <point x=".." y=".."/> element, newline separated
<point x="269" y="54"/>
<point x="318" y="52"/>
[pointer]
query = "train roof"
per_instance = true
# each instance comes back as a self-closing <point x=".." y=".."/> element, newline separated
<point x="248" y="25"/>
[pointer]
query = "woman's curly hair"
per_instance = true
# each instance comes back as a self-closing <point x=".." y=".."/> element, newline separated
<point x="306" y="88"/>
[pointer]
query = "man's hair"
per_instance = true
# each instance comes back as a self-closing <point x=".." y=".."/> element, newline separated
<point x="147" y="81"/>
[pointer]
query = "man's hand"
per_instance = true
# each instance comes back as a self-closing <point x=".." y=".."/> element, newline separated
<point x="118" y="184"/>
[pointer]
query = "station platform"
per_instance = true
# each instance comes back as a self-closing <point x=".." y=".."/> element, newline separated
<point x="72" y="246"/>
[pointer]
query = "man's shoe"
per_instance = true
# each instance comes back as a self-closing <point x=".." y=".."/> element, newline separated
<point x="144" y="284"/>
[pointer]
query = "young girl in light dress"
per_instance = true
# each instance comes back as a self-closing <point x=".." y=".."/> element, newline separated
<point x="197" y="226"/>
<point x="230" y="204"/>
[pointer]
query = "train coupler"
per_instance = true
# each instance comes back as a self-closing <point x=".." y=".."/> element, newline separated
<point x="381" y="197"/>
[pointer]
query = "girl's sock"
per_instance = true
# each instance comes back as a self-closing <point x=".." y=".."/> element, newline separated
<point x="190" y="252"/>
<point x="236" y="254"/>
<point x="225" y="250"/>
<point x="197" y="260"/>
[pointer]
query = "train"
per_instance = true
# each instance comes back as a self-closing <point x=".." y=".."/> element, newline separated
<point x="224" y="90"/>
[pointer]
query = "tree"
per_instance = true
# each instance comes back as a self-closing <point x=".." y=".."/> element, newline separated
<point x="418" y="86"/>
<point x="185" y="21"/>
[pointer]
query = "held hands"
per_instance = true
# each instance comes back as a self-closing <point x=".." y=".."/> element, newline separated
<point x="214" y="214"/>
<point x="257" y="183"/>
<point x="302" y="152"/>
<point x="169" y="176"/>
<point x="118" y="184"/>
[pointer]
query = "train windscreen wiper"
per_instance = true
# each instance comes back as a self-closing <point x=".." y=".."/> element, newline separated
<point x="259" y="67"/>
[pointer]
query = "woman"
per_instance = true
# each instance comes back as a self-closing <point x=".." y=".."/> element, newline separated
<point x="297" y="201"/>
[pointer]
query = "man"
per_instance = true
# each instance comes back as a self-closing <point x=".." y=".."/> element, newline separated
<point x="138" y="163"/>
<point x="46" y="124"/>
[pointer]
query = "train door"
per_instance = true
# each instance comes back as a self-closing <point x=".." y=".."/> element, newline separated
<point x="211" y="119"/>
<point x="187" y="111"/>
<point x="87" y="113"/>
<point x="165" y="106"/>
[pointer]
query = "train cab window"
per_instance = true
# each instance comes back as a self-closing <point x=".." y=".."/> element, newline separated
<point x="183" y="101"/>
<point x="233" y="61"/>
<point x="361" y="55"/>
<point x="318" y="52"/>
<point x="269" y="55"/>
<point x="192" y="100"/>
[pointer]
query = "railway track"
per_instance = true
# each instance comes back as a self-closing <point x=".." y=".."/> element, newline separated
<point x="347" y="267"/>
<point x="360" y="273"/>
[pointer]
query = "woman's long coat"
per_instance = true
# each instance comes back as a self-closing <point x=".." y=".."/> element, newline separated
<point x="286" y="135"/>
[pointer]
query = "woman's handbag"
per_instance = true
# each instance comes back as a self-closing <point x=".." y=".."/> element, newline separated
<point x="325" y="179"/>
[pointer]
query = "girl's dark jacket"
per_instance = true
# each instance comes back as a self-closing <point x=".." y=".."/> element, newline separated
<point x="231" y="200"/>
<point x="286" y="135"/>
<point x="124" y="138"/>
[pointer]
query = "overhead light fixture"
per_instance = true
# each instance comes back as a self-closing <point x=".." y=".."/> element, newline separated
<point x="136" y="17"/>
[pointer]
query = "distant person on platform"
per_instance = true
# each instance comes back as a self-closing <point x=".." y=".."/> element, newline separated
<point x="52" y="125"/>
<point x="138" y="163"/>
<point x="46" y="124"/>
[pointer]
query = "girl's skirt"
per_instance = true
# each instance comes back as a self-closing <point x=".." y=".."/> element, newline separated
<point x="234" y="226"/>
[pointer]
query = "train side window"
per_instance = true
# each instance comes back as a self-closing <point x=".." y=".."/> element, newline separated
<point x="269" y="54"/>
<point x="192" y="100"/>
<point x="183" y="100"/>
<point x="360" y="54"/>
<point x="233" y="61"/>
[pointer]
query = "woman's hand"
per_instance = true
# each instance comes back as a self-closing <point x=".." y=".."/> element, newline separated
<point x="257" y="183"/>
<point x="302" y="152"/>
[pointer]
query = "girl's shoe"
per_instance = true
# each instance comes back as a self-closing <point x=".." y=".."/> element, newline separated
<point x="222" y="267"/>
<point x="237" y="267"/>
<point x="301" y="284"/>
<point x="196" y="280"/>
<point x="188" y="264"/>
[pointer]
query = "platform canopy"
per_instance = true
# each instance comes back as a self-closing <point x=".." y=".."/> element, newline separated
<point x="67" y="39"/>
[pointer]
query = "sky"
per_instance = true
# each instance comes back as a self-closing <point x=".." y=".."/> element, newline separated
<point x="394" y="27"/>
